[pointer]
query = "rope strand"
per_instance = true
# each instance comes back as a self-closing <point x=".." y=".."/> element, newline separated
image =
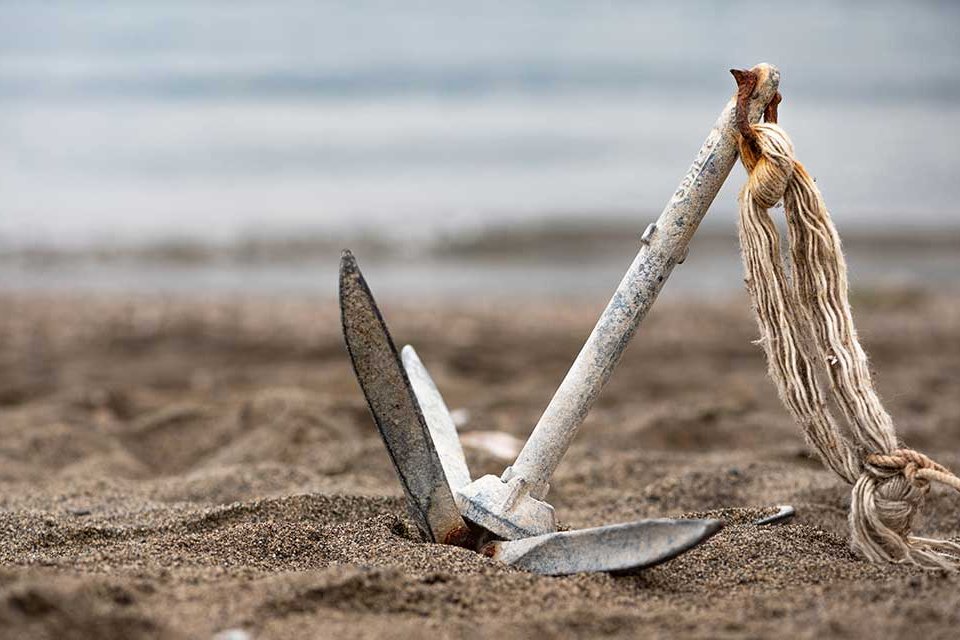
<point x="813" y="354"/>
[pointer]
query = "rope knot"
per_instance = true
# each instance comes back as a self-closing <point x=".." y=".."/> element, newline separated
<point x="768" y="157"/>
<point x="886" y="500"/>
<point x="918" y="469"/>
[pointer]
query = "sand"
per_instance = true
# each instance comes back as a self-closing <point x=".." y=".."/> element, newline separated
<point x="179" y="468"/>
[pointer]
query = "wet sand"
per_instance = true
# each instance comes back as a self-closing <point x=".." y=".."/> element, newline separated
<point x="175" y="468"/>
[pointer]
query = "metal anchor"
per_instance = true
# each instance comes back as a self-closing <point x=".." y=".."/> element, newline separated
<point x="425" y="450"/>
<point x="506" y="517"/>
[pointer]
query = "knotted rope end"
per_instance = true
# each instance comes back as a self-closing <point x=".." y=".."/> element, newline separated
<point x="887" y="499"/>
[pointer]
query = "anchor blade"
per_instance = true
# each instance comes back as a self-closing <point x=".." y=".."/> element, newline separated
<point x="395" y="410"/>
<point x="443" y="431"/>
<point x="785" y="513"/>
<point x="617" y="547"/>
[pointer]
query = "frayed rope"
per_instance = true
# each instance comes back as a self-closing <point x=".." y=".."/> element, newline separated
<point x="807" y="332"/>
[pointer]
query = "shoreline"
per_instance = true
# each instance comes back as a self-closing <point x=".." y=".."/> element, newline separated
<point x="568" y="263"/>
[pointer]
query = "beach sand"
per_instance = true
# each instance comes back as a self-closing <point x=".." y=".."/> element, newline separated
<point x="181" y="467"/>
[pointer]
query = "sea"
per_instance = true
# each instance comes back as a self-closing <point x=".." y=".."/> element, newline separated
<point x="151" y="145"/>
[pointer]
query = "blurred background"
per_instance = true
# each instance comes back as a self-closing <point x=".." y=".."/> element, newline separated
<point x="462" y="148"/>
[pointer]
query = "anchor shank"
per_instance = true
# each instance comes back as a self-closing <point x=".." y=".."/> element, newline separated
<point x="664" y="246"/>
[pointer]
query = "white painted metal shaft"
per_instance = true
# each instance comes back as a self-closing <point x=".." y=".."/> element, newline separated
<point x="665" y="245"/>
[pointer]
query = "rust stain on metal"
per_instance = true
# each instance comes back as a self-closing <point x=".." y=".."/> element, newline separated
<point x="770" y="113"/>
<point x="461" y="537"/>
<point x="747" y="80"/>
<point x="746" y="84"/>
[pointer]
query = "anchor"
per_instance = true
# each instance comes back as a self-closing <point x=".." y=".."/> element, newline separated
<point x="507" y="517"/>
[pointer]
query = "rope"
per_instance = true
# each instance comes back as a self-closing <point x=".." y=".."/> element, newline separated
<point x="814" y="356"/>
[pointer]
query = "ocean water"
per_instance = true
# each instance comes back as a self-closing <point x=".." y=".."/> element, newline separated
<point x="128" y="120"/>
<point x="203" y="121"/>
